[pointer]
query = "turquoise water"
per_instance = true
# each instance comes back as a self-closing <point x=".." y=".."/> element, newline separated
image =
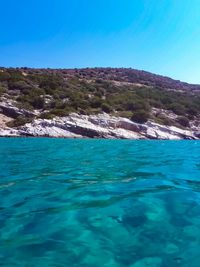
<point x="94" y="203"/>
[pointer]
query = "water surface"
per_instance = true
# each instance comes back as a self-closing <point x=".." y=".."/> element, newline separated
<point x="89" y="203"/>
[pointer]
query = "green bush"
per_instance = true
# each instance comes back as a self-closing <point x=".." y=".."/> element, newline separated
<point x="15" y="75"/>
<point x="193" y="110"/>
<point x="19" y="121"/>
<point x="124" y="114"/>
<point x="2" y="90"/>
<point x="37" y="102"/>
<point x="183" y="121"/>
<point x="25" y="105"/>
<point x="106" y="108"/>
<point x="177" y="108"/>
<point x="18" y="85"/>
<point x="162" y="119"/>
<point x="60" y="112"/>
<point x="96" y="102"/>
<point x="47" y="115"/>
<point x="140" y="116"/>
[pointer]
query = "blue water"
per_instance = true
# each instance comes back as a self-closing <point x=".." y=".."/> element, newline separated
<point x="94" y="203"/>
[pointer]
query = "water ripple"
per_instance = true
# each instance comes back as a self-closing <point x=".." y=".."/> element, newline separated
<point x="109" y="203"/>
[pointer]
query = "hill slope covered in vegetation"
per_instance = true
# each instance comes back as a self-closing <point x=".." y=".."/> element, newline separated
<point x="122" y="92"/>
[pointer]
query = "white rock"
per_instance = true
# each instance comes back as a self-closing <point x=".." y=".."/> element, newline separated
<point x="99" y="126"/>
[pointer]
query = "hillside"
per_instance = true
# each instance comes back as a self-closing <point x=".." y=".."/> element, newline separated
<point x="137" y="95"/>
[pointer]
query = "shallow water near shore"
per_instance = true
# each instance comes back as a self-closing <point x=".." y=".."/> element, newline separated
<point x="87" y="203"/>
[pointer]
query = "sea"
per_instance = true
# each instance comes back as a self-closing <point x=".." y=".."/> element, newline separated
<point x="95" y="203"/>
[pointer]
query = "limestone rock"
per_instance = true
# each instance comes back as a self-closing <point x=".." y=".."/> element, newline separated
<point x="8" y="107"/>
<point x="93" y="126"/>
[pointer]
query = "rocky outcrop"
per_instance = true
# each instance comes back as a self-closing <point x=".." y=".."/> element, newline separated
<point x="98" y="126"/>
<point x="9" y="108"/>
<point x="157" y="131"/>
<point x="9" y="132"/>
<point x="197" y="134"/>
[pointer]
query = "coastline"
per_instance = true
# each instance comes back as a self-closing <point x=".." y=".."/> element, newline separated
<point x="101" y="126"/>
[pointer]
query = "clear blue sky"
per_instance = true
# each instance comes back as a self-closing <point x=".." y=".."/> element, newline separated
<point x="161" y="36"/>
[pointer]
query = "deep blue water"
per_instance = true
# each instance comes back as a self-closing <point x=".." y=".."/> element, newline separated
<point x="94" y="203"/>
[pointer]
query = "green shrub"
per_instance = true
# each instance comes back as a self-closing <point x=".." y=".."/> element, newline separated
<point x="140" y="116"/>
<point x="37" y="102"/>
<point x="60" y="112"/>
<point x="25" y="105"/>
<point x="162" y="119"/>
<point x="96" y="102"/>
<point x="124" y="114"/>
<point x="15" y="75"/>
<point x="193" y="111"/>
<point x="19" y="121"/>
<point x="183" y="121"/>
<point x="177" y="108"/>
<point x="47" y="115"/>
<point x="18" y="85"/>
<point x="2" y="90"/>
<point x="106" y="108"/>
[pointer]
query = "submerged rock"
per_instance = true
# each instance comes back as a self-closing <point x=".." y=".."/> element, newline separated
<point x="133" y="221"/>
<point x="148" y="262"/>
<point x="171" y="249"/>
<point x="192" y="231"/>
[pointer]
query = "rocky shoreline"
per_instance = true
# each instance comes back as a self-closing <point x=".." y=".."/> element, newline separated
<point x="98" y="126"/>
<point x="51" y="103"/>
